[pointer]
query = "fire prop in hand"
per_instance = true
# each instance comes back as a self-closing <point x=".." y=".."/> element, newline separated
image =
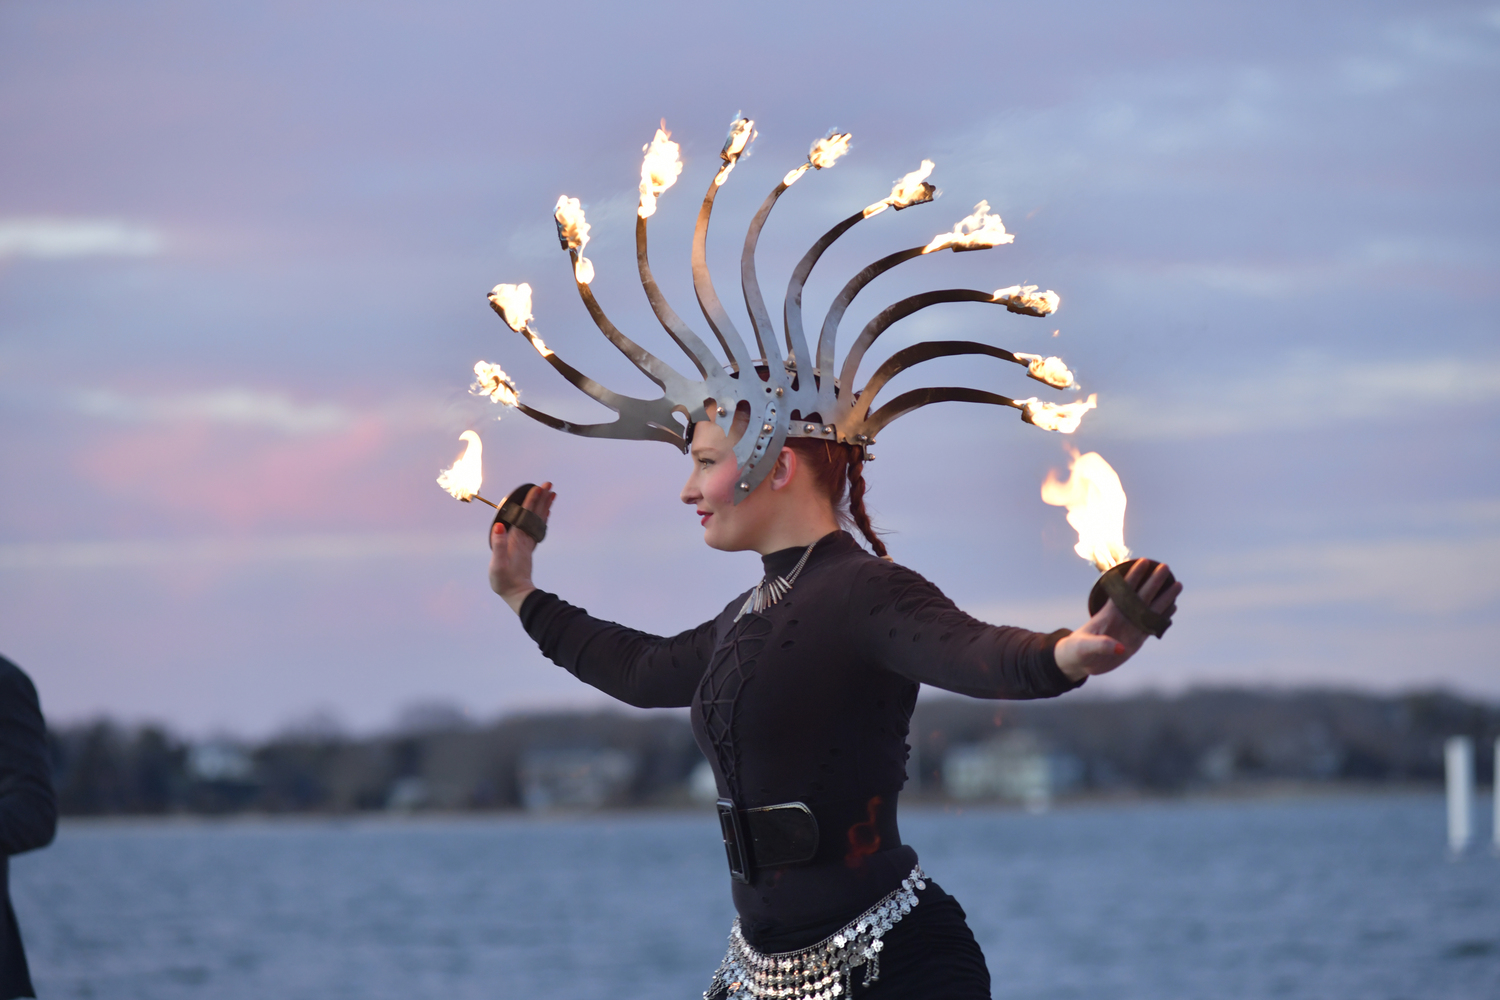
<point x="1095" y="500"/>
<point x="463" y="479"/>
<point x="467" y="475"/>
<point x="1096" y="508"/>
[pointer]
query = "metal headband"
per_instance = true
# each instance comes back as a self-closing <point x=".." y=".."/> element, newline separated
<point x="791" y="395"/>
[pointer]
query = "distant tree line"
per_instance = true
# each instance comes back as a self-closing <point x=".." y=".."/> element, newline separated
<point x="1155" y="744"/>
<point x="1214" y="737"/>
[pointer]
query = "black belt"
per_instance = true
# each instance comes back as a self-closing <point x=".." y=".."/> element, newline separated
<point x="847" y="829"/>
<point x="767" y="836"/>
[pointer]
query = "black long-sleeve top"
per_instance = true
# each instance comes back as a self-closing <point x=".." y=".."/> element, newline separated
<point x="28" y="810"/>
<point x="810" y="701"/>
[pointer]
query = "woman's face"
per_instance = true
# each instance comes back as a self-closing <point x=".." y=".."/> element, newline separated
<point x="710" y="490"/>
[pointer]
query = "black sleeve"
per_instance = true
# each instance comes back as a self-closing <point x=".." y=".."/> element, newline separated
<point x="912" y="629"/>
<point x="647" y="671"/>
<point x="28" y="808"/>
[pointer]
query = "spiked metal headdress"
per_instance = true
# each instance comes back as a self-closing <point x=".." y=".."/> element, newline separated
<point x="776" y="395"/>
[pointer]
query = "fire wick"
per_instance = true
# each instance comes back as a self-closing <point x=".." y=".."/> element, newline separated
<point x="476" y="496"/>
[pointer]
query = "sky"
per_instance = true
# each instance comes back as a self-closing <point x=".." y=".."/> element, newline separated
<point x="244" y="253"/>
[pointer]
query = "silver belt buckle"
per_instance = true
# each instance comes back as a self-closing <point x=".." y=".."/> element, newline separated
<point x="736" y="845"/>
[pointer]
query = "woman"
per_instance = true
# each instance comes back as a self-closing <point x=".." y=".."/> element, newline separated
<point x="801" y="693"/>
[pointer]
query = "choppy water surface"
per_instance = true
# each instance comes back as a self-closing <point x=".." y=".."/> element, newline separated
<point x="1322" y="898"/>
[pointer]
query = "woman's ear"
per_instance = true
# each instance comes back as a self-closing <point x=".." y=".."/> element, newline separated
<point x="786" y="468"/>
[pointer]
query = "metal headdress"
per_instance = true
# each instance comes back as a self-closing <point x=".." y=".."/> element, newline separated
<point x="776" y="396"/>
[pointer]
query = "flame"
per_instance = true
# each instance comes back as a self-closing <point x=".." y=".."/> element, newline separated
<point x="491" y="380"/>
<point x="572" y="227"/>
<point x="1049" y="370"/>
<point x="979" y="231"/>
<point x="910" y="190"/>
<point x="573" y="234"/>
<point x="741" y="134"/>
<point x="826" y="151"/>
<point x="1061" y="417"/>
<point x="659" y="170"/>
<point x="538" y="343"/>
<point x="467" y="474"/>
<point x="514" y="303"/>
<point x="1025" y="299"/>
<point x="1096" y="508"/>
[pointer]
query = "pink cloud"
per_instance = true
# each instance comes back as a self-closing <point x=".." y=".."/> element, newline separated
<point x="237" y="477"/>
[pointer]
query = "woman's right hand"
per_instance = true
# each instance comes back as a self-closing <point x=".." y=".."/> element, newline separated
<point x="511" y="548"/>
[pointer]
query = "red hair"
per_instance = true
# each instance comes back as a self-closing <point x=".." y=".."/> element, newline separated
<point x="838" y="472"/>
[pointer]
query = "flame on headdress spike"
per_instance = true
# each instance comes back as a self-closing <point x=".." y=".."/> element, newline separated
<point x="659" y="170"/>
<point x="979" y="231"/>
<point x="513" y="302"/>
<point x="824" y="153"/>
<point x="491" y="380"/>
<point x="910" y="190"/>
<point x="1061" y="417"/>
<point x="1050" y="370"/>
<point x="573" y="234"/>
<point x="827" y="150"/>
<point x="736" y="145"/>
<point x="1027" y="301"/>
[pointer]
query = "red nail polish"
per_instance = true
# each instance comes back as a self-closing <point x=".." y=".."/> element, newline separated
<point x="1119" y="648"/>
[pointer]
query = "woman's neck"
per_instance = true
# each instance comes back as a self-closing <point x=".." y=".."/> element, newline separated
<point x="796" y="532"/>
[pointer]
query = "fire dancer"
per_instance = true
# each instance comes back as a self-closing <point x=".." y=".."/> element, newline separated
<point x="801" y="689"/>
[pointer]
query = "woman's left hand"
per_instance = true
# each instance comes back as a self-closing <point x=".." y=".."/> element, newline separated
<point x="1108" y="639"/>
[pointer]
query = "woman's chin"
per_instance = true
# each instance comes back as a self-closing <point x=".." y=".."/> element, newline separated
<point x="722" y="541"/>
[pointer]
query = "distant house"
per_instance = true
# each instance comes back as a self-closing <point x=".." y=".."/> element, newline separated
<point x="219" y="760"/>
<point x="576" y="779"/>
<point x="408" y="795"/>
<point x="1016" y="767"/>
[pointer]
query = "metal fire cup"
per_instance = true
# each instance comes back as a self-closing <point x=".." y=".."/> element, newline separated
<point x="1112" y="585"/>
<point x="512" y="514"/>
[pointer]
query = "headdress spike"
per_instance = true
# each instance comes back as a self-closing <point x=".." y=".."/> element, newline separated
<point x="917" y="398"/>
<point x="740" y="134"/>
<point x="897" y="311"/>
<point x="909" y="357"/>
<point x="690" y="342"/>
<point x="829" y="334"/>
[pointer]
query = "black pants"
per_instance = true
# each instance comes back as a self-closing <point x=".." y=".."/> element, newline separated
<point x="930" y="955"/>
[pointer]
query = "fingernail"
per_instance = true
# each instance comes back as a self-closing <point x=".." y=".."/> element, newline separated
<point x="1119" y="648"/>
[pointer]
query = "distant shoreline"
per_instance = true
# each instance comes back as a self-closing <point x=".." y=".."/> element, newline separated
<point x="1270" y="792"/>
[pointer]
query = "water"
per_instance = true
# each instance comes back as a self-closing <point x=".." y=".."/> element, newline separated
<point x="1302" y="898"/>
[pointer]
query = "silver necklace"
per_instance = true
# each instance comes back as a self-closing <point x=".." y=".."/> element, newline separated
<point x="768" y="591"/>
